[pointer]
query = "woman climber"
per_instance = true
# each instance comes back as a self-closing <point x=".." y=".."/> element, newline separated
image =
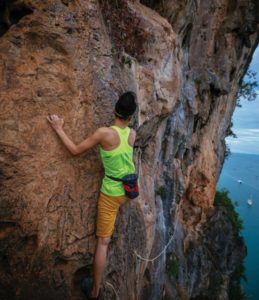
<point x="116" y="150"/>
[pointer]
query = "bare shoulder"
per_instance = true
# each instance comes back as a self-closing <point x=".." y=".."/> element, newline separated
<point x="102" y="130"/>
<point x="104" y="133"/>
<point x="132" y="137"/>
<point x="133" y="132"/>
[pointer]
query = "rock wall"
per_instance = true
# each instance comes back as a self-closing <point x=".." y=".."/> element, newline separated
<point x="184" y="60"/>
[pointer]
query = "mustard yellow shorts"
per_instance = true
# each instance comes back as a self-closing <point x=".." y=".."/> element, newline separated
<point x="108" y="207"/>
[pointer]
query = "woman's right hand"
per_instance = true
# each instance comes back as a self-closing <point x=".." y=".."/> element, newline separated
<point x="56" y="122"/>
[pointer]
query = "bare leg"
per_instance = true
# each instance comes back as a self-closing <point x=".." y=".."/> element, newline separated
<point x="99" y="263"/>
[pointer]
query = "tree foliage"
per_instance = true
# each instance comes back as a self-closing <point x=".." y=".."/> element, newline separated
<point x="247" y="91"/>
<point x="247" y="88"/>
<point x="235" y="290"/>
<point x="222" y="199"/>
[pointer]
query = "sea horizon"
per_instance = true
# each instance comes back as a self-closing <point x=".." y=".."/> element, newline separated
<point x="245" y="153"/>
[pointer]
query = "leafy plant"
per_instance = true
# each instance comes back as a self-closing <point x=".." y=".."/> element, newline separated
<point x="227" y="152"/>
<point x="235" y="289"/>
<point x="247" y="88"/>
<point x="126" y="60"/>
<point x="172" y="265"/>
<point x="222" y="199"/>
<point x="162" y="192"/>
<point x="230" y="131"/>
<point x="247" y="91"/>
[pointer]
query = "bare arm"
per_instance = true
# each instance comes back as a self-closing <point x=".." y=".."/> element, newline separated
<point x="132" y="137"/>
<point x="57" y="125"/>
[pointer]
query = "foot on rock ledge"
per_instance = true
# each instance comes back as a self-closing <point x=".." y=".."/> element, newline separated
<point x="86" y="286"/>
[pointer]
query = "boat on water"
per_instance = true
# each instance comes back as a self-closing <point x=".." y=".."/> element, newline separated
<point x="250" y="201"/>
<point x="240" y="181"/>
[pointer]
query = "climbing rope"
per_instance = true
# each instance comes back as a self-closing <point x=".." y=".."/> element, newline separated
<point x="110" y="285"/>
<point x="145" y="259"/>
<point x="163" y="251"/>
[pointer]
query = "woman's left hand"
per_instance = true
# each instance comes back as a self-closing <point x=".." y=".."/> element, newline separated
<point x="56" y="122"/>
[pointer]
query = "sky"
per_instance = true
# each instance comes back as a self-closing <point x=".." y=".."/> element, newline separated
<point x="246" y="120"/>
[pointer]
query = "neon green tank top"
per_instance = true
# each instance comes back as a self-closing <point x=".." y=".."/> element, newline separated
<point x="117" y="163"/>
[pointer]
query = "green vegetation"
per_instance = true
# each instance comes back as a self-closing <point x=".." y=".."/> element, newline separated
<point x="161" y="192"/>
<point x="227" y="152"/>
<point x="235" y="290"/>
<point x="247" y="87"/>
<point x="222" y="199"/>
<point x="247" y="91"/>
<point x="172" y="265"/>
<point x="126" y="60"/>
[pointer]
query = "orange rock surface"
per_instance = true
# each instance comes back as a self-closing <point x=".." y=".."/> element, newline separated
<point x="73" y="58"/>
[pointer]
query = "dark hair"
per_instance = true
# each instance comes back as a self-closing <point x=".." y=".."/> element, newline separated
<point x="125" y="106"/>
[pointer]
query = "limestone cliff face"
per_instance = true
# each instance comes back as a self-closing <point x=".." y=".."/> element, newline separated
<point x="184" y="60"/>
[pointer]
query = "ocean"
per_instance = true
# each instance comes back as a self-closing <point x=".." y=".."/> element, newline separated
<point x="245" y="168"/>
